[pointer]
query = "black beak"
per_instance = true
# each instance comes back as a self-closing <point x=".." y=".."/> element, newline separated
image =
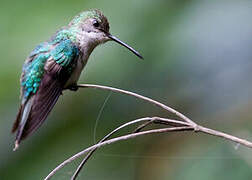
<point x="125" y="45"/>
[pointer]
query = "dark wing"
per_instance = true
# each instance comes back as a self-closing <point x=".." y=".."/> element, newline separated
<point x="47" y="95"/>
<point x="56" y="71"/>
<point x="32" y="73"/>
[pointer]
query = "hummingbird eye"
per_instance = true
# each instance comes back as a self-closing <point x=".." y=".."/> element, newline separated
<point x="96" y="23"/>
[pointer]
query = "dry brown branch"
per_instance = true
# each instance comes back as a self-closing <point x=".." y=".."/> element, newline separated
<point x="169" y="109"/>
<point x="111" y="141"/>
<point x="176" y="125"/>
<point x="149" y="121"/>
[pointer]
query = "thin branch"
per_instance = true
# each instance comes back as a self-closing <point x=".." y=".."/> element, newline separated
<point x="243" y="142"/>
<point x="111" y="141"/>
<point x="163" y="121"/>
<point x="100" y="113"/>
<point x="177" y="125"/>
<point x="143" y="98"/>
<point x="148" y="119"/>
<point x="103" y="139"/>
<point x="133" y="135"/>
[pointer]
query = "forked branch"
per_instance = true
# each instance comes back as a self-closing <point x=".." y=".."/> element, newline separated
<point x="185" y="124"/>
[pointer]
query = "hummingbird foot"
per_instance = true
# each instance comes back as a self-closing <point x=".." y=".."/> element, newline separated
<point x="73" y="87"/>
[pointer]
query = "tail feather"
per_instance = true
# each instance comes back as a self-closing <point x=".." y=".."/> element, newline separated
<point x="34" y="111"/>
<point x="21" y="120"/>
<point x="17" y="121"/>
<point x="40" y="110"/>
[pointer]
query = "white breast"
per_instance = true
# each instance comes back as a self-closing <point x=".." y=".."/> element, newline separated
<point x="87" y="43"/>
<point x="77" y="72"/>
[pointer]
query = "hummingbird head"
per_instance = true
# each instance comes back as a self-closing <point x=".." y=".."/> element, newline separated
<point x="92" y="29"/>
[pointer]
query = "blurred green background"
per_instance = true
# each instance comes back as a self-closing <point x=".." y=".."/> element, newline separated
<point x="197" y="60"/>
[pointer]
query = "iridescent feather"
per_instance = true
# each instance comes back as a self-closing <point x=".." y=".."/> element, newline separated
<point x="57" y="64"/>
<point x="44" y="75"/>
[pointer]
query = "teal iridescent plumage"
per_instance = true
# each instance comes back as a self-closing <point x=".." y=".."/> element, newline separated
<point x="56" y="65"/>
<point x="33" y="74"/>
<point x="63" y="35"/>
<point x="95" y="14"/>
<point x="64" y="52"/>
<point x="60" y="49"/>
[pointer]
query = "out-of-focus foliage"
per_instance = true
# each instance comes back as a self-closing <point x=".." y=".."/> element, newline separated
<point x="198" y="59"/>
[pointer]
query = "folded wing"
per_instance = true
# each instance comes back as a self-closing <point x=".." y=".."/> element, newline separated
<point x="41" y="92"/>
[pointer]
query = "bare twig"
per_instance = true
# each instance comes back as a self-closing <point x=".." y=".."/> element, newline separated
<point x="111" y="141"/>
<point x="163" y="121"/>
<point x="148" y="119"/>
<point x="176" y="125"/>
<point x="243" y="142"/>
<point x="183" y="117"/>
<point x="103" y="139"/>
<point x="133" y="135"/>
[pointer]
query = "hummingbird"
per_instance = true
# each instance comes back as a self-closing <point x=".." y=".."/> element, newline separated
<point x="56" y="65"/>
